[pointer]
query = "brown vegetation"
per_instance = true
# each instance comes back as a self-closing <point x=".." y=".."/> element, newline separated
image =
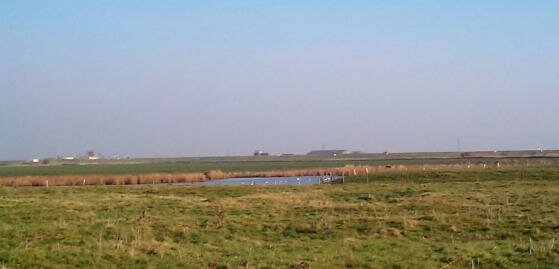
<point x="73" y="180"/>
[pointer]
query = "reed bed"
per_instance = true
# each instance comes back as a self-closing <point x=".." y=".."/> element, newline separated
<point x="75" y="180"/>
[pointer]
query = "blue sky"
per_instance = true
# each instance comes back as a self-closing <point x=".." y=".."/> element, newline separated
<point x="181" y="78"/>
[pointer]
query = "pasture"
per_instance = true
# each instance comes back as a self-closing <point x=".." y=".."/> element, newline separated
<point x="490" y="218"/>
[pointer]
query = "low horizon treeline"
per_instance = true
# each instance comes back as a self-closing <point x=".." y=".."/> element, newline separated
<point x="170" y="178"/>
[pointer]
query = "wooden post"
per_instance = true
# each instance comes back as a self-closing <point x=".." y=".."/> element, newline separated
<point x="367" y="170"/>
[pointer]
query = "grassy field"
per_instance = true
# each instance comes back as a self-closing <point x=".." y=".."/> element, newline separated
<point x="234" y="165"/>
<point x="182" y="167"/>
<point x="459" y="219"/>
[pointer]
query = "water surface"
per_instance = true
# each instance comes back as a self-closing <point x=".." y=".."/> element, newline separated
<point x="306" y="180"/>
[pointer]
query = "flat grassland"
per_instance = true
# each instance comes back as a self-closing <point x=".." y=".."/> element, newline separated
<point x="490" y="218"/>
<point x="263" y="163"/>
<point x="71" y="168"/>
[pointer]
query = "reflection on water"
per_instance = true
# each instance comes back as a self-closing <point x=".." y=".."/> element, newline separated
<point x="308" y="180"/>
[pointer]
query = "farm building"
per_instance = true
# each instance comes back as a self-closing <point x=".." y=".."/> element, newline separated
<point x="92" y="155"/>
<point x="261" y="153"/>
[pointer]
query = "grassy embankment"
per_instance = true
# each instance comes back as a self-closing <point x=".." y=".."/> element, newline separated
<point x="488" y="218"/>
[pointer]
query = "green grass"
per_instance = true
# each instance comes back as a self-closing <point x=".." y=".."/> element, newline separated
<point x="103" y="169"/>
<point x="154" y="166"/>
<point x="491" y="218"/>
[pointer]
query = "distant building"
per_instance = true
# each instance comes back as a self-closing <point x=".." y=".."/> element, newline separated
<point x="68" y="158"/>
<point x="334" y="153"/>
<point x="35" y="161"/>
<point x="261" y="153"/>
<point x="91" y="155"/>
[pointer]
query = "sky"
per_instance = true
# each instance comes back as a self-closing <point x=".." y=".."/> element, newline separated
<point x="206" y="78"/>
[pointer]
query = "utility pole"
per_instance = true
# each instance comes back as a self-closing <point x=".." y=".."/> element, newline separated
<point x="458" y="146"/>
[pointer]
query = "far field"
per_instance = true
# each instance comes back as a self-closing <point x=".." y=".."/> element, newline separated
<point x="240" y="164"/>
<point x="507" y="218"/>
